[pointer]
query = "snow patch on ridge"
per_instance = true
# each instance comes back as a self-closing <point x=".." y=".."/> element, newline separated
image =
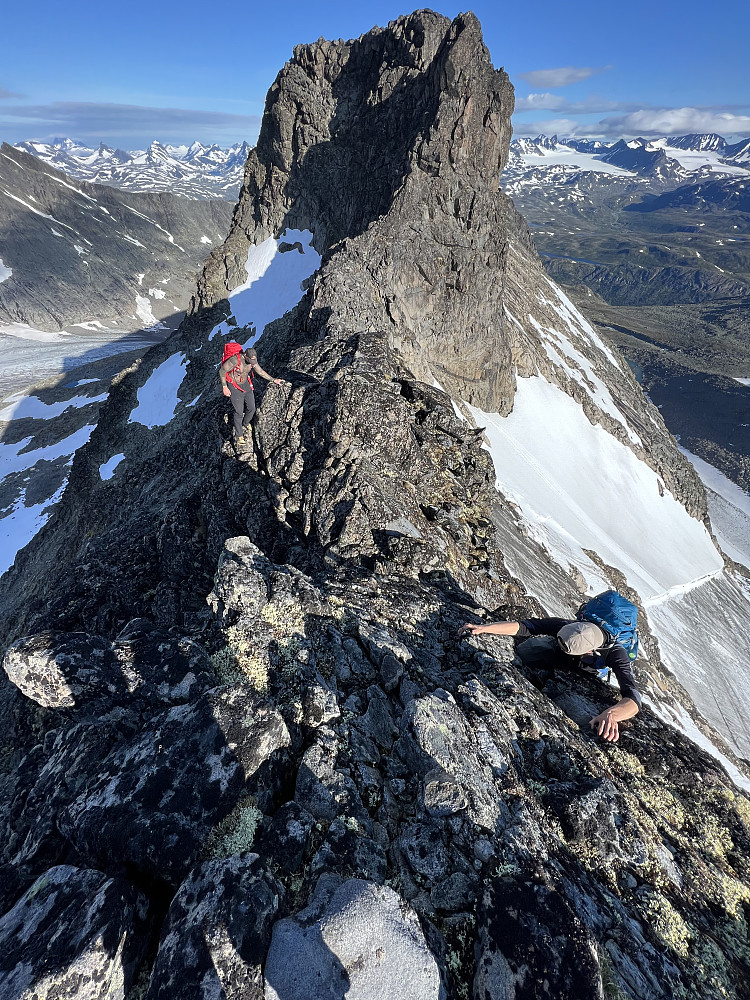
<point x="274" y="283"/>
<point x="5" y="272"/>
<point x="107" y="469"/>
<point x="22" y="524"/>
<point x="32" y="406"/>
<point x="157" y="397"/>
<point x="145" y="315"/>
<point x="13" y="458"/>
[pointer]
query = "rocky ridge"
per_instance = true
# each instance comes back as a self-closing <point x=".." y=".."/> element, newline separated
<point x="236" y="711"/>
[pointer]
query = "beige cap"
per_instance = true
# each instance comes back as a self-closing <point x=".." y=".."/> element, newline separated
<point x="579" y="638"/>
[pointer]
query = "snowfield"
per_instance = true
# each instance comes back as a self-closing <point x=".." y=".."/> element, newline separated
<point x="579" y="488"/>
<point x="692" y="160"/>
<point x="568" y="157"/>
<point x="728" y="508"/>
<point x="704" y="639"/>
<point x="13" y="458"/>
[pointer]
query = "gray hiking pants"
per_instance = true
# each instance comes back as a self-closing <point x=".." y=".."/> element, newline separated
<point x="243" y="404"/>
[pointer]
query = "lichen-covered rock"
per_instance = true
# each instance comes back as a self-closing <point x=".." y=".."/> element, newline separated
<point x="319" y="703"/>
<point x="48" y="780"/>
<point x="161" y="668"/>
<point x="156" y="797"/>
<point x="217" y="932"/>
<point x="286" y="840"/>
<point x="323" y="789"/>
<point x="143" y="669"/>
<point x="436" y="732"/>
<point x="346" y="851"/>
<point x="74" y="935"/>
<point x="55" y="670"/>
<point x="241" y="583"/>
<point x="357" y="940"/>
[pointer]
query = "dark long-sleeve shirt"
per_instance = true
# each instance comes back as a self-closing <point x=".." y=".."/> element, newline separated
<point x="614" y="657"/>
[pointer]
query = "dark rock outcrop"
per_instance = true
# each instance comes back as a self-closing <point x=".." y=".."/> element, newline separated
<point x="217" y="932"/>
<point x="155" y="799"/>
<point x="75" y="933"/>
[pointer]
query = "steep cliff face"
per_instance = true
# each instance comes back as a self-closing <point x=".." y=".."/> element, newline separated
<point x="235" y="693"/>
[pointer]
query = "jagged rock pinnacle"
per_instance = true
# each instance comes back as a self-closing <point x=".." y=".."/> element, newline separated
<point x="389" y="150"/>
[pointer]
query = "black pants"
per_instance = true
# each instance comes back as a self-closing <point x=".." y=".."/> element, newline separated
<point x="243" y="404"/>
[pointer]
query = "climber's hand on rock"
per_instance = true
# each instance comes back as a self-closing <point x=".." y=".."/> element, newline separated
<point x="469" y="629"/>
<point x="606" y="726"/>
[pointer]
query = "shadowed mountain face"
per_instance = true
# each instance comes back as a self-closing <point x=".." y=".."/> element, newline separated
<point x="234" y="688"/>
<point x="79" y="252"/>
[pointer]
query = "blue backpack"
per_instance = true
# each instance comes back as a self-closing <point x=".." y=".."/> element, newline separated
<point x="617" y="616"/>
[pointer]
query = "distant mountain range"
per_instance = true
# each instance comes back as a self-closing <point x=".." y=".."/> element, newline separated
<point x="199" y="171"/>
<point x="640" y="222"/>
<point x="194" y="171"/>
<point x="645" y="154"/>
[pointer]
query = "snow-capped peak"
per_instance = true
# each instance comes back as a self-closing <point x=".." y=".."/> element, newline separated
<point x="196" y="170"/>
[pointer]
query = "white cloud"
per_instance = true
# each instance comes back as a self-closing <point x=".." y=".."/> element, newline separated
<point x="127" y="125"/>
<point x="562" y="76"/>
<point x="539" y="102"/>
<point x="8" y="94"/>
<point x="552" y="126"/>
<point x="589" y="105"/>
<point x="642" y="122"/>
<point x="677" y="121"/>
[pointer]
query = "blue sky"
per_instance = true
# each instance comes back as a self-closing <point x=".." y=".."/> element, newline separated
<point x="179" y="71"/>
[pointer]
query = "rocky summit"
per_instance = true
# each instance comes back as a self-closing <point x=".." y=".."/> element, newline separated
<point x="244" y="752"/>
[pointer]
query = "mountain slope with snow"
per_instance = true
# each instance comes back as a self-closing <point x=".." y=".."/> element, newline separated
<point x="82" y="253"/>
<point x="660" y="260"/>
